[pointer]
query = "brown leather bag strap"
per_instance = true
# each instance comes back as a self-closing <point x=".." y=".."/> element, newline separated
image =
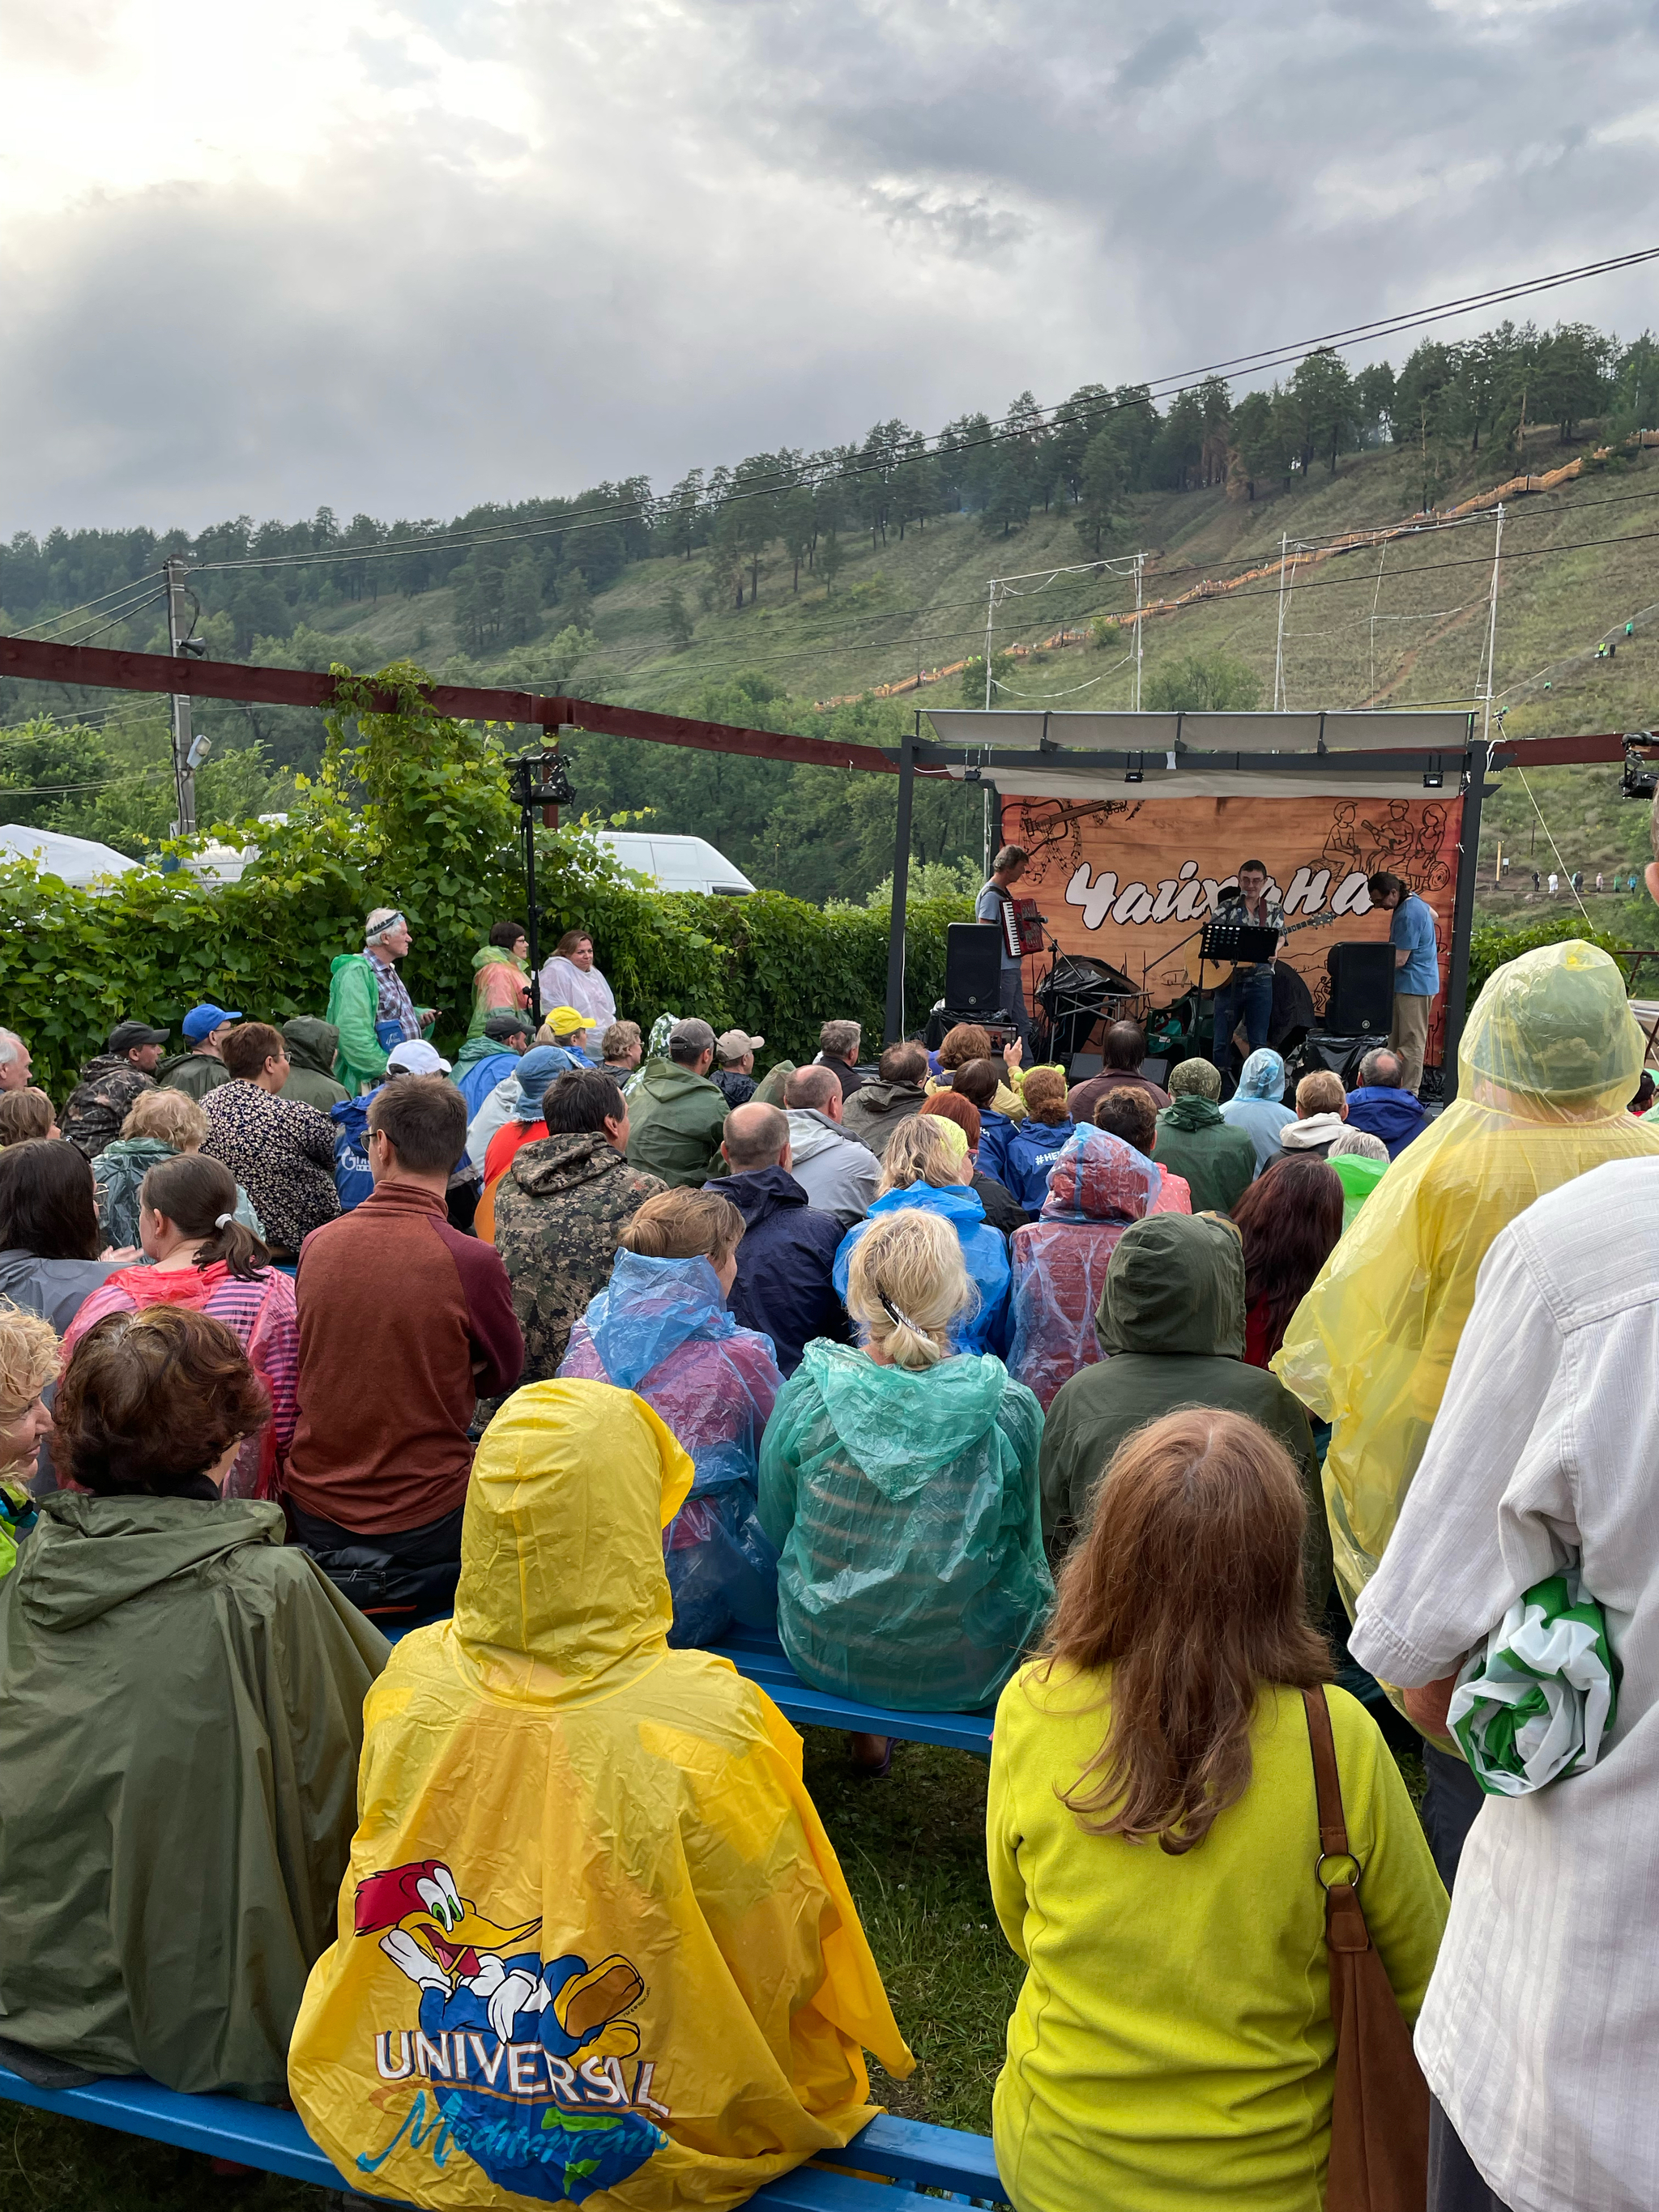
<point x="1327" y="1783"/>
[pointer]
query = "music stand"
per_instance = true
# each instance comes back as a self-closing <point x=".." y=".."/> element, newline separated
<point x="1234" y="940"/>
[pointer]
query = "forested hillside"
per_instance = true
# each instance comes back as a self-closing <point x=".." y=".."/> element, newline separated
<point x="761" y="591"/>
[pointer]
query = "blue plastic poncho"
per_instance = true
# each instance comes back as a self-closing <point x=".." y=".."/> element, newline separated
<point x="1257" y="1108"/>
<point x="984" y="1250"/>
<point x="661" y="1329"/>
<point x="905" y="1506"/>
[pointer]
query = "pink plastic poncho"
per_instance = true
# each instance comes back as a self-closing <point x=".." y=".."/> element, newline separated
<point x="1099" y="1185"/>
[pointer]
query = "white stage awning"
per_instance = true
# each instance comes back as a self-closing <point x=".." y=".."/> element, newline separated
<point x="1184" y="755"/>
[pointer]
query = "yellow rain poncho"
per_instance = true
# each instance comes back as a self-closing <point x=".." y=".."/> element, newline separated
<point x="1548" y="1059"/>
<point x="593" y="1941"/>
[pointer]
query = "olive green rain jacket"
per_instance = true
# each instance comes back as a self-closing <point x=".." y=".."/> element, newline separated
<point x="180" y="1720"/>
<point x="1171" y="1331"/>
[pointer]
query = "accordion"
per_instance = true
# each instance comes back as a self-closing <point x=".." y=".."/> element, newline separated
<point x="1022" y="927"/>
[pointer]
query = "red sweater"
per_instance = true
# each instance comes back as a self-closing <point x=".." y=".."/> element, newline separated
<point x="396" y="1307"/>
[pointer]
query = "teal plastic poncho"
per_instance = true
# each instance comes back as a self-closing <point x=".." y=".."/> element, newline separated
<point x="904" y="1507"/>
<point x="1534" y="1705"/>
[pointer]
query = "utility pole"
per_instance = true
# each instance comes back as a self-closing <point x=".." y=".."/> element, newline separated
<point x="1141" y="564"/>
<point x="990" y="617"/>
<point x="1279" y="647"/>
<point x="1492" y="628"/>
<point x="185" y="752"/>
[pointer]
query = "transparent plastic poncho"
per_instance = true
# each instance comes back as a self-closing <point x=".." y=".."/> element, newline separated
<point x="1098" y="1186"/>
<point x="1549" y="1057"/>
<point x="661" y="1329"/>
<point x="905" y="1506"/>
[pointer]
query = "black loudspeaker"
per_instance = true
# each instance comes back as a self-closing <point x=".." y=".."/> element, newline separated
<point x="973" y="970"/>
<point x="1157" y="1070"/>
<point x="1361" y="1003"/>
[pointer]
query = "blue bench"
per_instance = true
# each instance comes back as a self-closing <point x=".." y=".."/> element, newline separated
<point x="908" y="2152"/>
<point x="761" y="1659"/>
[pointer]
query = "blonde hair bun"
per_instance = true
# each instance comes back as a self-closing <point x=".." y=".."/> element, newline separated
<point x="906" y="1284"/>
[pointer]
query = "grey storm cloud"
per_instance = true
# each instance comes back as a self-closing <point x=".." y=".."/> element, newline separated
<point x="738" y="224"/>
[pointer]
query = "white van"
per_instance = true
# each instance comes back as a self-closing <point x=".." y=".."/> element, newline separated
<point x="678" y="864"/>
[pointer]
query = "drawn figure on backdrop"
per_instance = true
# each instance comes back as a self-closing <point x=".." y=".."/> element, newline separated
<point x="1427" y="867"/>
<point x="1343" y="853"/>
<point x="522" y="2055"/>
<point x="1394" y="838"/>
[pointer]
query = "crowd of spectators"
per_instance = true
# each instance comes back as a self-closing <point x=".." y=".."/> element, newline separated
<point x="1133" y="1416"/>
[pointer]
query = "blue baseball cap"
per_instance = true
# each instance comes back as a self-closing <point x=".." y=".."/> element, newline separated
<point x="202" y="1021"/>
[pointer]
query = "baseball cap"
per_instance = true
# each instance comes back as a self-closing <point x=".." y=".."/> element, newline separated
<point x="202" y="1021"/>
<point x="505" y="1025"/>
<point x="415" y="1057"/>
<point x="565" y="1021"/>
<point x="536" y="1070"/>
<point x="731" y="1044"/>
<point x="125" y="1035"/>
<point x="695" y="1035"/>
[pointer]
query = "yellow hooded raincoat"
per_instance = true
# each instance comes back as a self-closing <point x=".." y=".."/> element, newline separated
<point x="593" y="1941"/>
<point x="1548" y="1061"/>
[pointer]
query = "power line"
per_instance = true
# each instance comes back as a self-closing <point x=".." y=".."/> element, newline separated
<point x="131" y="585"/>
<point x="831" y="467"/>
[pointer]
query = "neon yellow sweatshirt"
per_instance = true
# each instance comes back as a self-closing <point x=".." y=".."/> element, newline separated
<point x="1172" y="2045"/>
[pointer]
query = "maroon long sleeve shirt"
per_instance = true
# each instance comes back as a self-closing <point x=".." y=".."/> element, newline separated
<point x="395" y="1307"/>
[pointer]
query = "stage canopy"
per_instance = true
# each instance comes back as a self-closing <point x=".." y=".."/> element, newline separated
<point x="1081" y="756"/>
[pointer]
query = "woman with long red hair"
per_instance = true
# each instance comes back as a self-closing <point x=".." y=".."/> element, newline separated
<point x="1152" y="1834"/>
<point x="1290" y="1219"/>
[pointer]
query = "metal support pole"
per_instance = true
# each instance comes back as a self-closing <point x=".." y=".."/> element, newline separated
<point x="1468" y="849"/>
<point x="893" y="1027"/>
<point x="1140" y="565"/>
<point x="1492" y="628"/>
<point x="990" y="617"/>
<point x="184" y="771"/>
<point x="1279" y="645"/>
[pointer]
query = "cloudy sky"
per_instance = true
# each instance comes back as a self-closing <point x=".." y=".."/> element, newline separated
<point x="407" y="257"/>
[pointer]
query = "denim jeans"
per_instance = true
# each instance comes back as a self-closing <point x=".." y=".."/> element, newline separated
<point x="1251" y="996"/>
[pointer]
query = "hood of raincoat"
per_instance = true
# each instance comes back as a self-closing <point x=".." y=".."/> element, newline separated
<point x="553" y="1165"/>
<point x="344" y="960"/>
<point x="1395" y="1115"/>
<point x="899" y="1424"/>
<point x="139" y="1154"/>
<point x="1262" y="1075"/>
<point x="1549" y="1056"/>
<point x="1175" y="1286"/>
<point x="759" y="1192"/>
<point x="311" y="1043"/>
<point x="649" y="1309"/>
<point x="481" y="1047"/>
<point x="878" y="1097"/>
<point x="958" y="1204"/>
<point x="811" y="1132"/>
<point x="495" y="956"/>
<point x="1098" y="1178"/>
<point x="88" y="1554"/>
<point x="556" y="1564"/>
<point x="1313" y="1134"/>
<point x="1190" y="1111"/>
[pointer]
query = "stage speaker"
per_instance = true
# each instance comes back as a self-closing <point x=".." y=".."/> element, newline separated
<point x="973" y="970"/>
<point x="1361" y="1003"/>
<point x="1157" y="1070"/>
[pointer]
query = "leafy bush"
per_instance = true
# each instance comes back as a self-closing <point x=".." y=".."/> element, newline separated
<point x="1492" y="946"/>
<point x="412" y="809"/>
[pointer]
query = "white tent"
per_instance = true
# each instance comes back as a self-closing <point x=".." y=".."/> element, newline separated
<point x="78" y="861"/>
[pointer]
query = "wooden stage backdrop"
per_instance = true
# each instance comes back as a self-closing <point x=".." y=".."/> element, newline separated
<point x="1126" y="880"/>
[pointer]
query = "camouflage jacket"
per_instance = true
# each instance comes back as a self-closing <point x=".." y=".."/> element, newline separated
<point x="560" y="1209"/>
<point x="101" y="1101"/>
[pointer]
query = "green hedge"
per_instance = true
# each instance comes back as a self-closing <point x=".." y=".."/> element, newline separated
<point x="412" y="810"/>
<point x="1492" y="946"/>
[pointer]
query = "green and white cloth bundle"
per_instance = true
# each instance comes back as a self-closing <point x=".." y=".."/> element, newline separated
<point x="1535" y="1705"/>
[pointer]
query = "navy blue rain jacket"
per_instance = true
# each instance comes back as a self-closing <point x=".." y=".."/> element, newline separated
<point x="1394" y="1115"/>
<point x="783" y="1287"/>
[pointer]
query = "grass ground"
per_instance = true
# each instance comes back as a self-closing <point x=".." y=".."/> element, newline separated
<point x="914" y="1853"/>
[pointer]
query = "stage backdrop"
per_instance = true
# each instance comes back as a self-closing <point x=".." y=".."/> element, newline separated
<point x="1126" y="880"/>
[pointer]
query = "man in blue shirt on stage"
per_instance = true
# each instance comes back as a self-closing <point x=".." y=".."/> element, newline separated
<point x="1416" y="972"/>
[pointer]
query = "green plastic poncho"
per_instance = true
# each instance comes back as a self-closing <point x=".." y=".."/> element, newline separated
<point x="904" y="1504"/>
<point x="1536" y="1704"/>
<point x="1548" y="1059"/>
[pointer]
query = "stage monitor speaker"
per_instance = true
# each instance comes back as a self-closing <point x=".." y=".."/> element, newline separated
<point x="973" y="969"/>
<point x="1156" y="1070"/>
<point x="1361" y="1003"/>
